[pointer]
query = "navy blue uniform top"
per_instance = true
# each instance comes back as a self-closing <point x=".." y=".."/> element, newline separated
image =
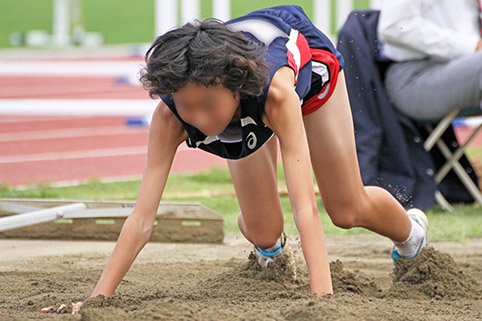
<point x="288" y="36"/>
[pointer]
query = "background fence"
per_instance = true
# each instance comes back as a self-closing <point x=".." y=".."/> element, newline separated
<point x="125" y="21"/>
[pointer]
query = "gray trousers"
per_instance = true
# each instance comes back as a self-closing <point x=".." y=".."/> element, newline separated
<point x="428" y="89"/>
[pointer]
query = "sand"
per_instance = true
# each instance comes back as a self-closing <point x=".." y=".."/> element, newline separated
<point x="221" y="282"/>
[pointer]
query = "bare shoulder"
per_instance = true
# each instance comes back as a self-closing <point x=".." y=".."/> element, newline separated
<point x="165" y="125"/>
<point x="281" y="84"/>
<point x="163" y="116"/>
<point x="281" y="95"/>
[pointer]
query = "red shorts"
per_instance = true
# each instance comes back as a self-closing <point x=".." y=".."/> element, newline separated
<point x="327" y="68"/>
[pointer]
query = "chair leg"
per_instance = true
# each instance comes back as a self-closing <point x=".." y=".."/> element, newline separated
<point x="440" y="199"/>
<point x="459" y="152"/>
<point x="461" y="173"/>
<point x="452" y="159"/>
<point x="441" y="127"/>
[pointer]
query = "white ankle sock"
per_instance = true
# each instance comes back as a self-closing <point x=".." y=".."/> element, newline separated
<point x="409" y="247"/>
<point x="276" y="246"/>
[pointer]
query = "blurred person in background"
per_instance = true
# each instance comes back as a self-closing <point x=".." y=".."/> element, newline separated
<point x="437" y="49"/>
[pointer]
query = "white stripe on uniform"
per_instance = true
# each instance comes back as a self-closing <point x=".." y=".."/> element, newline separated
<point x="293" y="48"/>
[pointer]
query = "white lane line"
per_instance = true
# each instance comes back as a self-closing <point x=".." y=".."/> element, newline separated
<point x="5" y="119"/>
<point x="70" y="133"/>
<point x="78" y="154"/>
<point x="81" y="154"/>
<point x="106" y="107"/>
<point x="70" y="68"/>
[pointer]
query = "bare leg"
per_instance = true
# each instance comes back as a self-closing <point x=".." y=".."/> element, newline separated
<point x="255" y="182"/>
<point x="333" y="154"/>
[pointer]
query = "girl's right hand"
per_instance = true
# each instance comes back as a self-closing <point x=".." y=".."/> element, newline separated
<point x="479" y="46"/>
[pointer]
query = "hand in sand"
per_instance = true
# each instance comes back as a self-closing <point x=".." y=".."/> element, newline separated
<point x="63" y="308"/>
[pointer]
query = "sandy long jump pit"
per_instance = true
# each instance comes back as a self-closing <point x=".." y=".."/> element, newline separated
<point x="171" y="281"/>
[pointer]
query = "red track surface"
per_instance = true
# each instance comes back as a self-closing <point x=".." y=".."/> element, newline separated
<point x="61" y="149"/>
<point x="42" y="158"/>
<point x="68" y="88"/>
<point x="464" y="133"/>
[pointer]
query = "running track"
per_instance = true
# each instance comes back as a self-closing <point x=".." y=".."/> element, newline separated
<point x="63" y="121"/>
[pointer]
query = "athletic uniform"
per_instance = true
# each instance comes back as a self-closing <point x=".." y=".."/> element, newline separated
<point x="290" y="39"/>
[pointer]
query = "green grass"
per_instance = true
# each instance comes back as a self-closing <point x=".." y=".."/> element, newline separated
<point x="22" y="16"/>
<point x="474" y="153"/>
<point x="464" y="224"/>
<point x="122" y="21"/>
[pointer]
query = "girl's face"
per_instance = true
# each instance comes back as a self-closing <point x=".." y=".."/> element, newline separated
<point x="209" y="109"/>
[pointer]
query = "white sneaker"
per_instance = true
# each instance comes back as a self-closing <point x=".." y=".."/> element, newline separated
<point x="284" y="258"/>
<point x="420" y="218"/>
<point x="264" y="258"/>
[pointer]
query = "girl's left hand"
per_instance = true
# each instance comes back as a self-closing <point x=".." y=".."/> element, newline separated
<point x="63" y="308"/>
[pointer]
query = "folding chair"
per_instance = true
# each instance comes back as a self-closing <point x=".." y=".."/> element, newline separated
<point x="385" y="137"/>
<point x="436" y="130"/>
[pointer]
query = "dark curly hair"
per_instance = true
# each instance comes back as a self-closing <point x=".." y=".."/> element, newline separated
<point x="204" y="53"/>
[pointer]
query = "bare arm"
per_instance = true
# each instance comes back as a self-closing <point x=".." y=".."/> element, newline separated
<point x="283" y="115"/>
<point x="165" y="135"/>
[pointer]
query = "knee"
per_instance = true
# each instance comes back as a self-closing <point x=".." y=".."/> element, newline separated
<point x="262" y="237"/>
<point x="346" y="216"/>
